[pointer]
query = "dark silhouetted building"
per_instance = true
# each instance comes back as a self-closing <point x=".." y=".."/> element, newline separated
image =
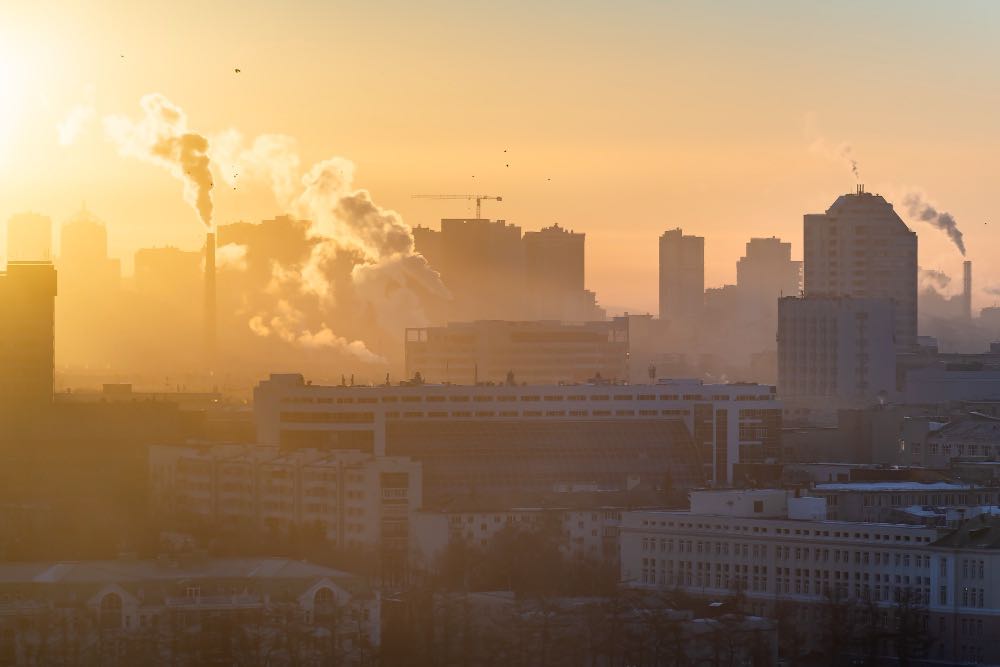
<point x="27" y="336"/>
<point x="682" y="276"/>
<point x="540" y="352"/>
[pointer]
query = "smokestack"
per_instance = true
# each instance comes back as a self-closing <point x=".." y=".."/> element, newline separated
<point x="967" y="290"/>
<point x="210" y="316"/>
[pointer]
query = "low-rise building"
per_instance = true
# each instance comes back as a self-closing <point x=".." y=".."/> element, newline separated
<point x="184" y="610"/>
<point x="868" y="501"/>
<point x="942" y="581"/>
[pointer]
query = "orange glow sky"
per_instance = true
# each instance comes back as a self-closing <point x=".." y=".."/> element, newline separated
<point x="620" y="119"/>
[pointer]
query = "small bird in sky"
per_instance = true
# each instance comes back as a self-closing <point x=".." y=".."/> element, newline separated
<point x="237" y="70"/>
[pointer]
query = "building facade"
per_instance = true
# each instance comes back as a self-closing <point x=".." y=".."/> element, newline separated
<point x="27" y="337"/>
<point x="682" y="276"/>
<point x="728" y="423"/>
<point x="861" y="248"/>
<point x="836" y="351"/>
<point x="538" y="352"/>
<point x="353" y="500"/>
<point x="945" y="579"/>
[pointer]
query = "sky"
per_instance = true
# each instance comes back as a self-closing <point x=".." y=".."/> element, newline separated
<point x="621" y="120"/>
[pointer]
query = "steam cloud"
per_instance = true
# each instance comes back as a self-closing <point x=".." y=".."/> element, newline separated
<point x="919" y="209"/>
<point x="357" y="247"/>
<point x="78" y="117"/>
<point x="937" y="280"/>
<point x="162" y="138"/>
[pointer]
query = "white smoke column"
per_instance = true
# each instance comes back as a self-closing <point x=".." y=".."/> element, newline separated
<point x="231" y="256"/>
<point x="285" y="324"/>
<point x="77" y="118"/>
<point x="271" y="157"/>
<point x="918" y="209"/>
<point x="161" y="137"/>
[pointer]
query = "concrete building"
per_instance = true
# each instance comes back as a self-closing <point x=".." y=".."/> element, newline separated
<point x="184" y="609"/>
<point x="861" y="248"/>
<point x="29" y="238"/>
<point x="809" y="564"/>
<point x="725" y="423"/>
<point x="835" y="351"/>
<point x="587" y="533"/>
<point x="682" y="276"/>
<point x="869" y="501"/>
<point x="554" y="275"/>
<point x="538" y="352"/>
<point x="27" y="337"/>
<point x="83" y="255"/>
<point x="767" y="272"/>
<point x="353" y="500"/>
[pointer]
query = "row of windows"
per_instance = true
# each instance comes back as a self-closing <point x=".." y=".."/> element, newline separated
<point x="485" y="398"/>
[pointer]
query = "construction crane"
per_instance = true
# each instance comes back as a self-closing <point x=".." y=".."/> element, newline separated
<point x="479" y="200"/>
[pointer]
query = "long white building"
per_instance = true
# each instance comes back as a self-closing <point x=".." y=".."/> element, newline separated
<point x="773" y="549"/>
<point x="728" y="423"/>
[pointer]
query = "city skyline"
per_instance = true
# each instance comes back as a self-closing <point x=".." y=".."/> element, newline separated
<point x="723" y="176"/>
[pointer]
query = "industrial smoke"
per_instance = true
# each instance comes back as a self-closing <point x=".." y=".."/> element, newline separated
<point x="161" y="137"/>
<point x="937" y="280"/>
<point x="918" y="209"/>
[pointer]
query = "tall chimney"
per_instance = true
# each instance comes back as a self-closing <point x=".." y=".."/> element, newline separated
<point x="967" y="290"/>
<point x="210" y="315"/>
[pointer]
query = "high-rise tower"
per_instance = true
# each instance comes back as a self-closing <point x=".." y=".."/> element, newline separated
<point x="861" y="248"/>
<point x="682" y="275"/>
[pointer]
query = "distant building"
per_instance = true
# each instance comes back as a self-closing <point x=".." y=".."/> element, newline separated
<point x="169" y="274"/>
<point x="493" y="272"/>
<point x="27" y="336"/>
<point x="767" y="272"/>
<point x="482" y="264"/>
<point x="836" y="351"/>
<point x="682" y="276"/>
<point x="184" y="609"/>
<point x="83" y="255"/>
<point x="861" y="248"/>
<point x="540" y="352"/>
<point x="517" y="440"/>
<point x="29" y="238"/>
<point x="353" y="500"/>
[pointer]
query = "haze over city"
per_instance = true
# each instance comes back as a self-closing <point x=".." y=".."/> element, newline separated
<point x="561" y="334"/>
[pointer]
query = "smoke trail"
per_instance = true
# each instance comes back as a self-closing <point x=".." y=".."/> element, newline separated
<point x="161" y="137"/>
<point x="818" y="144"/>
<point x="283" y="324"/>
<point x="937" y="280"/>
<point x="919" y="209"/>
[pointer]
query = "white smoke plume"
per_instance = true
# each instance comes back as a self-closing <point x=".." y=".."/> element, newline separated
<point x="818" y="144"/>
<point x="919" y="209"/>
<point x="161" y="137"/>
<point x="272" y="158"/>
<point x="231" y="256"/>
<point x="77" y="118"/>
<point x="285" y="323"/>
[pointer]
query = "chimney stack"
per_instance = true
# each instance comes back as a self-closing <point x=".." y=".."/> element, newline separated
<point x="210" y="314"/>
<point x="967" y="290"/>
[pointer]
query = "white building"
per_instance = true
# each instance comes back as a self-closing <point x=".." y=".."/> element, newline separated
<point x="730" y="423"/>
<point x="834" y="351"/>
<point x="951" y="578"/>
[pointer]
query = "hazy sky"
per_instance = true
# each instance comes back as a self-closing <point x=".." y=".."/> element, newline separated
<point x="619" y="119"/>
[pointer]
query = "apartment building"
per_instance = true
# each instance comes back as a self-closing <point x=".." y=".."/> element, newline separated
<point x="741" y="541"/>
<point x="871" y="501"/>
<point x="586" y="533"/>
<point x="352" y="499"/>
<point x="724" y="424"/>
